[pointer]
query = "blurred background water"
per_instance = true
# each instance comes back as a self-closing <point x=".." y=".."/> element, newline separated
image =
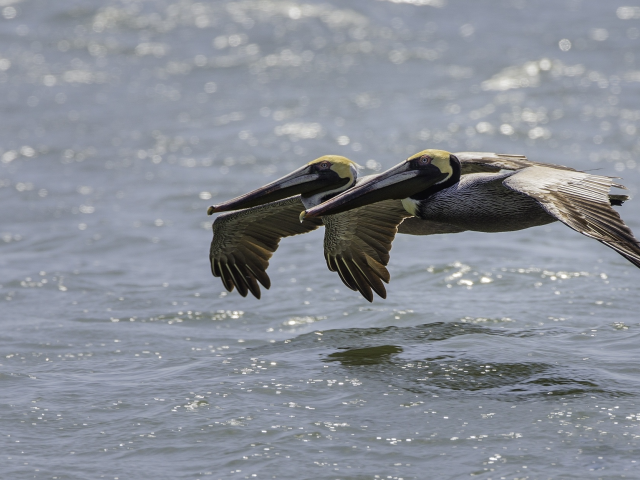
<point x="494" y="356"/>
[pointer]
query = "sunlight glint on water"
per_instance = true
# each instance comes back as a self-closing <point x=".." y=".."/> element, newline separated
<point x="496" y="356"/>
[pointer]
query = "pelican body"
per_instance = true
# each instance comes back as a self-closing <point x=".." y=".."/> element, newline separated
<point x="499" y="193"/>
<point x="481" y="202"/>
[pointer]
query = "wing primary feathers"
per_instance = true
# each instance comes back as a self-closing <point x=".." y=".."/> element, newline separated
<point x="582" y="202"/>
<point x="374" y="281"/>
<point x="357" y="244"/>
<point x="626" y="252"/>
<point x="618" y="200"/>
<point x="361" y="283"/>
<point x="214" y="268"/>
<point x="238" y="281"/>
<point x="251" y="282"/>
<point x="244" y="241"/>
<point x="226" y="281"/>
<point x="261" y="276"/>
<point x="331" y="263"/>
<point x="380" y="269"/>
<point x="346" y="276"/>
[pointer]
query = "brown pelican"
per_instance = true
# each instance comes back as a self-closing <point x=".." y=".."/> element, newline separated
<point x="356" y="244"/>
<point x="502" y="193"/>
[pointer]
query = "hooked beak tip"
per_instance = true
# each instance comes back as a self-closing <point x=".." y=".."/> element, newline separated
<point x="211" y="210"/>
<point x="303" y="214"/>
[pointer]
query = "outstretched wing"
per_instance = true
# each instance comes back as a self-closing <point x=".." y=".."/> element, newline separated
<point x="479" y="162"/>
<point x="357" y="244"/>
<point x="244" y="241"/>
<point x="580" y="201"/>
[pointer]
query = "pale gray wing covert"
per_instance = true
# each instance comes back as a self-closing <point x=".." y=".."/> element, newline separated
<point x="581" y="201"/>
<point x="244" y="241"/>
<point x="357" y="244"/>
<point x="487" y="162"/>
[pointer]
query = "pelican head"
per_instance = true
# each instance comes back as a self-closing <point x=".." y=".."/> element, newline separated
<point x="316" y="182"/>
<point x="417" y="178"/>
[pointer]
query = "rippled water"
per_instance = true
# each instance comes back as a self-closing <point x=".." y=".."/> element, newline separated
<point x="497" y="356"/>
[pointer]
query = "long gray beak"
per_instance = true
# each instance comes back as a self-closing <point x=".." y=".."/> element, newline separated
<point x="300" y="181"/>
<point x="398" y="182"/>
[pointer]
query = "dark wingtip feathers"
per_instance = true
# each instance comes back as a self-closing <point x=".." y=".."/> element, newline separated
<point x="618" y="200"/>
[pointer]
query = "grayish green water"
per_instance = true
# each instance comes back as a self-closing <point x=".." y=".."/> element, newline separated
<point x="494" y="356"/>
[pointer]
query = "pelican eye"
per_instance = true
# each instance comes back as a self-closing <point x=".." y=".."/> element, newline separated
<point x="425" y="160"/>
<point x="324" y="165"/>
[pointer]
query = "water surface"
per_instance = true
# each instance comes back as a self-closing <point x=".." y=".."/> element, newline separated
<point x="494" y="356"/>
